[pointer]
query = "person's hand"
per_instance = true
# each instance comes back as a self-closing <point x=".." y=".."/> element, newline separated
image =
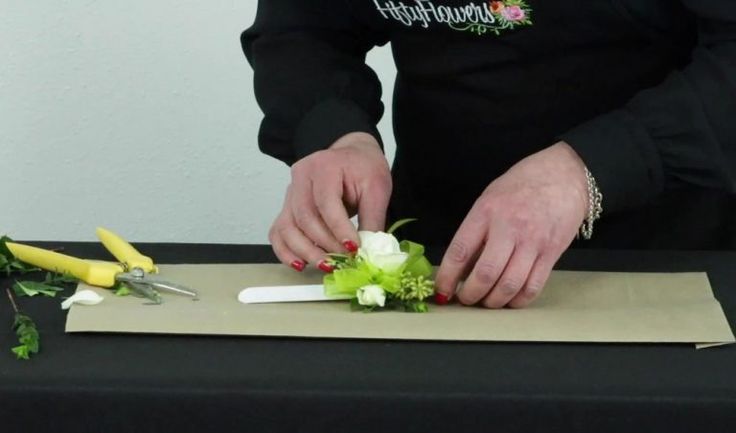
<point x="327" y="188"/>
<point x="516" y="231"/>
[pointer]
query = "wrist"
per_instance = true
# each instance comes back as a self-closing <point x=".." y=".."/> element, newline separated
<point x="586" y="189"/>
<point x="575" y="166"/>
<point x="361" y="140"/>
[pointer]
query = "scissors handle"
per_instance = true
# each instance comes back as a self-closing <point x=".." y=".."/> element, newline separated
<point x="91" y="272"/>
<point x="125" y="252"/>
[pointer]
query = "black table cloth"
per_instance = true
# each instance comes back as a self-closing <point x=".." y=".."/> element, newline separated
<point x="147" y="383"/>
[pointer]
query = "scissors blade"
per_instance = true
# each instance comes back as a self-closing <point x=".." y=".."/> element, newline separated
<point x="297" y="293"/>
<point x="174" y="288"/>
<point x="139" y="277"/>
<point x="145" y="291"/>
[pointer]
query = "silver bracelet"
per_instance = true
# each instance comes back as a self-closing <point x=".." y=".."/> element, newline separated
<point x="595" y="206"/>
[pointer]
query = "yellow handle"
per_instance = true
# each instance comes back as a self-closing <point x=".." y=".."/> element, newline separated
<point x="95" y="273"/>
<point x="124" y="252"/>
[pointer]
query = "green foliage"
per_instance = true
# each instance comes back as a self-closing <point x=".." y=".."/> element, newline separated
<point x="53" y="278"/>
<point x="49" y="286"/>
<point x="33" y="288"/>
<point x="8" y="263"/>
<point x="392" y="304"/>
<point x="28" y="337"/>
<point x="416" y="307"/>
<point x="398" y="224"/>
<point x="342" y="261"/>
<point x="23" y="325"/>
<point x="4" y="251"/>
<point x="121" y="289"/>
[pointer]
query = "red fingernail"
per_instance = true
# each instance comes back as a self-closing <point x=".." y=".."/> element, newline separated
<point x="441" y="299"/>
<point x="325" y="267"/>
<point x="350" y="246"/>
<point x="298" y="265"/>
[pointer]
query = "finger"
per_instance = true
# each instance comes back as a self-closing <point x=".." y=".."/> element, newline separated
<point x="297" y="242"/>
<point x="284" y="254"/>
<point x="460" y="255"/>
<point x="305" y="215"/>
<point x="513" y="278"/>
<point x="488" y="269"/>
<point x="329" y="204"/>
<point x="535" y="283"/>
<point x="372" y="207"/>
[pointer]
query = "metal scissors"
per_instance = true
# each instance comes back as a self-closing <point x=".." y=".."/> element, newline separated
<point x="132" y="269"/>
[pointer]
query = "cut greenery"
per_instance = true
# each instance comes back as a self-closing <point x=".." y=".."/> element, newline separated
<point x="28" y="337"/>
<point x="24" y="327"/>
<point x="48" y="287"/>
<point x="8" y="263"/>
<point x="25" y="330"/>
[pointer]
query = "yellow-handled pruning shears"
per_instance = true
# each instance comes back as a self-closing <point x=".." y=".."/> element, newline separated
<point x="133" y="268"/>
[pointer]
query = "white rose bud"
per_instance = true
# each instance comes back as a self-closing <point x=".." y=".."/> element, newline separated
<point x="371" y="295"/>
<point x="381" y="250"/>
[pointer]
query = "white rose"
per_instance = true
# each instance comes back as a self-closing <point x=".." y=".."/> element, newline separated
<point x="381" y="250"/>
<point x="371" y="295"/>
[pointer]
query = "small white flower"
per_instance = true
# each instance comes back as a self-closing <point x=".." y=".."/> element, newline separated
<point x="381" y="250"/>
<point x="371" y="295"/>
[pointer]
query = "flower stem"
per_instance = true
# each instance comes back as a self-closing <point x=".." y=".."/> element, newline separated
<point x="12" y="301"/>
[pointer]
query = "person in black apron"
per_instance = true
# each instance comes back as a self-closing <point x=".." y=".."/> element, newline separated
<point x="522" y="128"/>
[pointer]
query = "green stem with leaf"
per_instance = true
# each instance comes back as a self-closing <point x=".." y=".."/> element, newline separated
<point x="25" y="329"/>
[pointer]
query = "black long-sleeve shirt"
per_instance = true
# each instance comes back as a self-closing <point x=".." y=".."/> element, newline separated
<point x="643" y="90"/>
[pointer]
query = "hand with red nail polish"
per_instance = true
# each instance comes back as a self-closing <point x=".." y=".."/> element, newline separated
<point x="325" y="267"/>
<point x="515" y="232"/>
<point x="327" y="188"/>
<point x="298" y="265"/>
<point x="441" y="299"/>
<point x="349" y="245"/>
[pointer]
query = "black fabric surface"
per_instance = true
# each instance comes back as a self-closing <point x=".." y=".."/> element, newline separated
<point x="107" y="382"/>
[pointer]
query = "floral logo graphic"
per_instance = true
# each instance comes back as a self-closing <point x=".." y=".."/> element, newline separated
<point x="507" y="15"/>
<point x="479" y="18"/>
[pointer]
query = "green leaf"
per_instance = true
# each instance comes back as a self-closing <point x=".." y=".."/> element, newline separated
<point x="416" y="307"/>
<point x="25" y="330"/>
<point x="341" y="261"/>
<point x="4" y="250"/>
<point x="21" y="352"/>
<point x="419" y="266"/>
<point x="345" y="281"/>
<point x="29" y="338"/>
<point x="412" y="248"/>
<point x="355" y="305"/>
<point x="33" y="288"/>
<point x="122" y="290"/>
<point x="398" y="224"/>
<point x="391" y="283"/>
<point x="23" y="268"/>
<point x="8" y="262"/>
<point x="53" y="278"/>
<point x="416" y="264"/>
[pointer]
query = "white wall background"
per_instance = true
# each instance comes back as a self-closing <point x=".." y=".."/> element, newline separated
<point x="138" y="116"/>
